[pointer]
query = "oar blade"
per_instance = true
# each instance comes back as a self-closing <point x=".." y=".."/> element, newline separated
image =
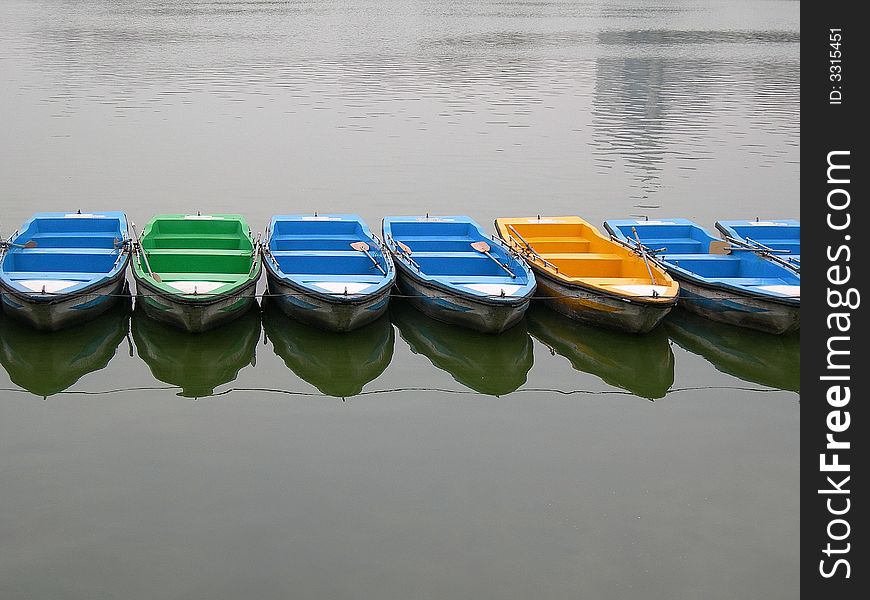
<point x="360" y="246"/>
<point x="480" y="246"/>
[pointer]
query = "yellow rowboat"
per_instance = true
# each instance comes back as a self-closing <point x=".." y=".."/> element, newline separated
<point x="589" y="277"/>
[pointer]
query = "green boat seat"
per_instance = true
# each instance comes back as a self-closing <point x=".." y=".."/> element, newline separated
<point x="223" y="277"/>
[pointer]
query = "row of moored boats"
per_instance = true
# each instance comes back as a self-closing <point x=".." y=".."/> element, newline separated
<point x="198" y="271"/>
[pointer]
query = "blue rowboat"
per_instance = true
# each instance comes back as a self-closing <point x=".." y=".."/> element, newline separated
<point x="450" y="270"/>
<point x="64" y="268"/>
<point x="778" y="240"/>
<point x="740" y="287"/>
<point x="327" y="270"/>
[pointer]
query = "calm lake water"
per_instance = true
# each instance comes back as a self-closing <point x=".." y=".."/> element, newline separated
<point x="409" y="459"/>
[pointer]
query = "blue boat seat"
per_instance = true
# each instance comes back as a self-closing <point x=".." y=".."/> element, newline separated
<point x="355" y="277"/>
<point x="66" y="251"/>
<point x="672" y="245"/>
<point x="70" y="275"/>
<point x="316" y="243"/>
<point x="461" y="254"/>
<point x="744" y="281"/>
<point x="78" y="239"/>
<point x="323" y="253"/>
<point x="427" y="238"/>
<point x="460" y="279"/>
<point x="315" y="236"/>
<point x="51" y="260"/>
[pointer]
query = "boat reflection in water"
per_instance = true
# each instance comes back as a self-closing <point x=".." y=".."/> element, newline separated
<point x="48" y="362"/>
<point x="493" y="364"/>
<point x="197" y="362"/>
<point x="642" y="364"/>
<point x="771" y="360"/>
<point x="338" y="364"/>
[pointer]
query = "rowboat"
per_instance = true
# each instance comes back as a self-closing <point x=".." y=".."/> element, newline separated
<point x="451" y="271"/>
<point x="494" y="365"/>
<point x="196" y="364"/>
<point x="754" y="356"/>
<point x="778" y="240"/>
<point x="196" y="271"/>
<point x="327" y="270"/>
<point x="586" y="276"/>
<point x="642" y="364"/>
<point x="48" y="362"/>
<point x="338" y="364"/>
<point x="64" y="268"/>
<point x="737" y="287"/>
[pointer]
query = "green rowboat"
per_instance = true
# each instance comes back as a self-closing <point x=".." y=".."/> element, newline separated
<point x="196" y="271"/>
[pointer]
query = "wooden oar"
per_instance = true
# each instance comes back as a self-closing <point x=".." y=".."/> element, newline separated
<point x="29" y="244"/>
<point x="643" y="254"/>
<point x="140" y="249"/>
<point x="751" y="244"/>
<point x="530" y="249"/>
<point x="771" y="253"/>
<point x="483" y="247"/>
<point x="407" y="251"/>
<point x="254" y="253"/>
<point x="363" y="247"/>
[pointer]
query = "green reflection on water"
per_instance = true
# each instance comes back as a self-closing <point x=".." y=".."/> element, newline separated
<point x="337" y="364"/>
<point x="197" y="362"/>
<point x="640" y="364"/>
<point x="489" y="364"/>
<point x="48" y="362"/>
<point x="771" y="360"/>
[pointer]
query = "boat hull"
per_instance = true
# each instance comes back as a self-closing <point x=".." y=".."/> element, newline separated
<point x="332" y="313"/>
<point x="602" y="310"/>
<point x="729" y="306"/>
<point x="459" y="309"/>
<point x="195" y="316"/>
<point x="61" y="311"/>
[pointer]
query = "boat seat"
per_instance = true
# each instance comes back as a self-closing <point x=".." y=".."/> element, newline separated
<point x="696" y="257"/>
<point x="582" y="256"/>
<point x="555" y="238"/>
<point x="78" y="241"/>
<point x="70" y="275"/>
<point x="407" y="239"/>
<point x="313" y="236"/>
<point x="353" y="277"/>
<point x="462" y="279"/>
<point x="682" y="245"/>
<point x="69" y="251"/>
<point x="168" y="241"/>
<point x="197" y="252"/>
<point x="753" y="281"/>
<point x="471" y="253"/>
<point x="63" y="234"/>
<point x="616" y="280"/>
<point x="558" y="244"/>
<point x="323" y="253"/>
<point x="223" y="277"/>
